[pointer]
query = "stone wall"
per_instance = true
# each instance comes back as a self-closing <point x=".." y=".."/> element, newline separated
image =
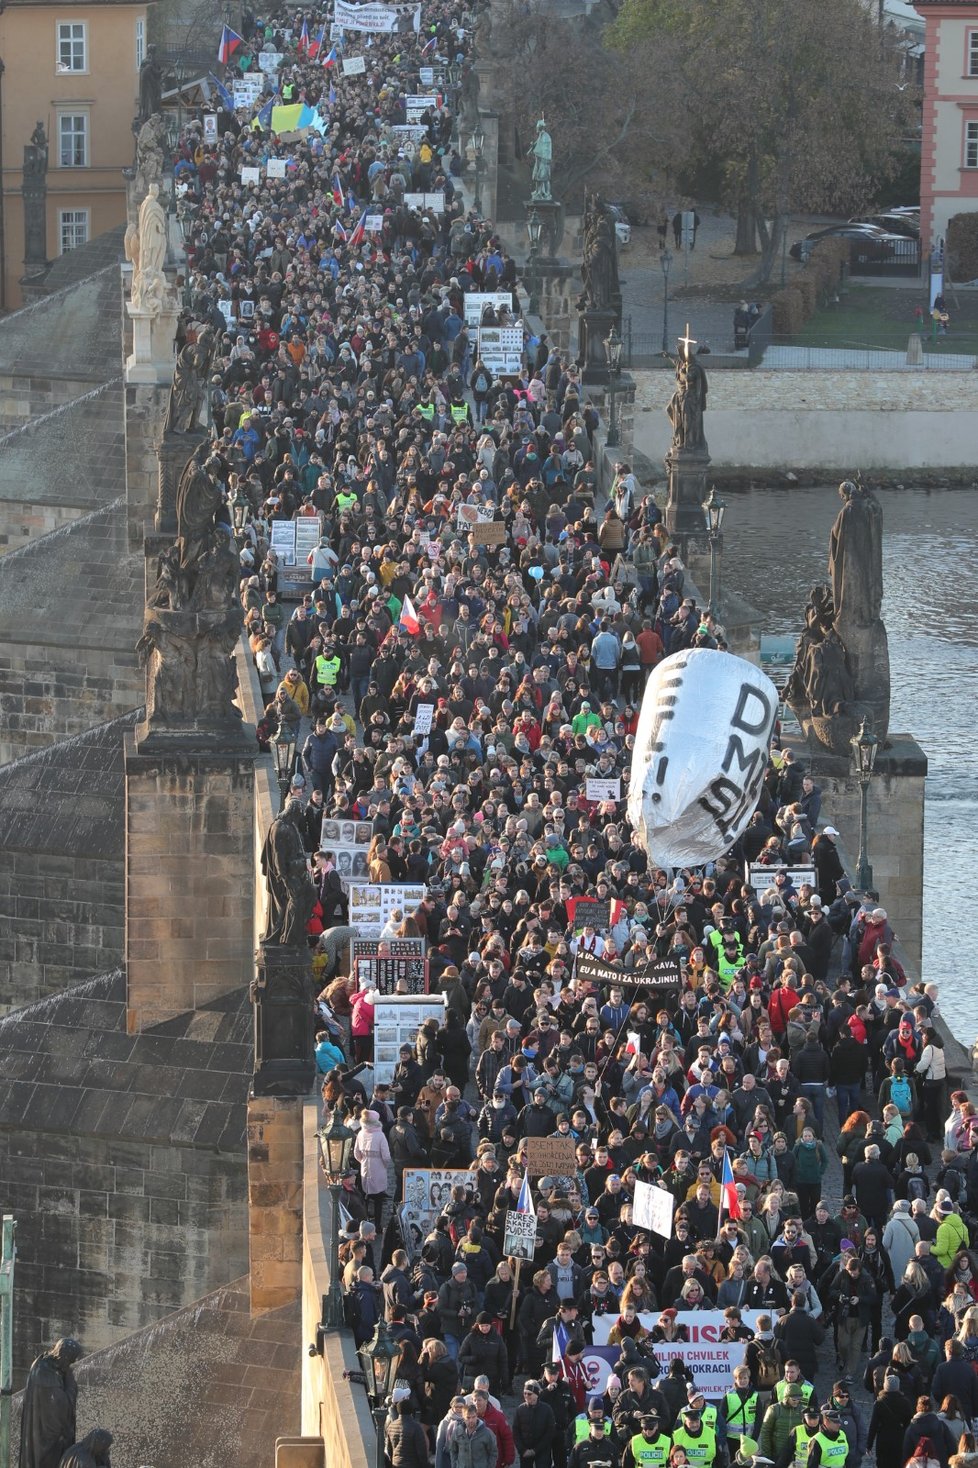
<point x="275" y="1200"/>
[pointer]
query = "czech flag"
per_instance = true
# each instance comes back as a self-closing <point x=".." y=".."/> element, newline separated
<point x="330" y="57"/>
<point x="230" y="41"/>
<point x="303" y="44"/>
<point x="561" y="1341"/>
<point x="409" y="617"/>
<point x="356" y="240"/>
<point x="316" y="46"/>
<point x="728" y="1190"/>
<point x="524" y="1203"/>
<point x="337" y="191"/>
<point x="428" y="46"/>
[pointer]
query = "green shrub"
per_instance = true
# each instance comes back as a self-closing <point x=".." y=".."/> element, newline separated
<point x="788" y="310"/>
<point x="962" y="246"/>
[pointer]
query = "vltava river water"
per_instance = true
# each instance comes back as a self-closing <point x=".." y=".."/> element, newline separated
<point x="775" y="547"/>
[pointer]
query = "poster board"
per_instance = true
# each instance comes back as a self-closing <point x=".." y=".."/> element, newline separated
<point x="354" y="65"/>
<point x="349" y="842"/>
<point x="415" y="103"/>
<point x="653" y="1208"/>
<point x="592" y="910"/>
<point x="426" y="1191"/>
<point x="555" y="1156"/>
<point x="397" y="1020"/>
<point x="489" y="532"/>
<point x="391" y="975"/>
<point x="372" y="904"/>
<point x="434" y="201"/>
<point x="602" y="789"/>
<point x="475" y="302"/>
<point x="423" y="715"/>
<point x="760" y="877"/>
<point x="282" y="541"/>
<point x="210" y="127"/>
<point x="251" y="177"/>
<point x="373" y="223"/>
<point x="275" y="168"/>
<point x="501" y="349"/>
<point x="270" y="61"/>
<point x="396" y="947"/>
<point x="468" y="515"/>
<point x="408" y="132"/>
<point x="296" y="574"/>
<point x="710" y="1360"/>
<point x="520" y="1236"/>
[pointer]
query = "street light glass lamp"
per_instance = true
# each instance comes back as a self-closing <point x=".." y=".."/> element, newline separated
<point x="714" y="509"/>
<point x="283" y="748"/>
<point x="478" y="140"/>
<point x="379" y="1357"/>
<point x="612" y="350"/>
<point x="534" y="228"/>
<point x="865" y="747"/>
<point x="240" y="509"/>
<point x="336" y="1146"/>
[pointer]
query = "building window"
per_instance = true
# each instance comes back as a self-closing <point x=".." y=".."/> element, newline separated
<point x="973" y="53"/>
<point x="971" y="145"/>
<point x="140" y="42"/>
<point x="72" y="46"/>
<point x="72" y="228"/>
<point x="73" y="140"/>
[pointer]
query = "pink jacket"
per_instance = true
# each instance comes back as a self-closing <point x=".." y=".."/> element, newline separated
<point x="373" y="1154"/>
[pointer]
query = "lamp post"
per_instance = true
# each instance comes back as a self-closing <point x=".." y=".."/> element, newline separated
<point x="612" y="351"/>
<point x="478" y="143"/>
<point x="534" y="228"/>
<point x="714" y="509"/>
<point x="378" y="1358"/>
<point x="335" y="1147"/>
<point x="240" y="509"/>
<point x="665" y="260"/>
<point x="283" y="749"/>
<point x="865" y="747"/>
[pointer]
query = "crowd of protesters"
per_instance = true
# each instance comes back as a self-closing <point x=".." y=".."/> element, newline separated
<point x="348" y="386"/>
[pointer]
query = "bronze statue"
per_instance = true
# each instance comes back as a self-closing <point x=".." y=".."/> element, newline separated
<point x="289" y="887"/>
<point x="542" y="154"/>
<point x="150" y="85"/>
<point x="47" y="1424"/>
<point x="91" y="1452"/>
<point x="191" y="378"/>
<point x="842" y="667"/>
<point x="688" y="404"/>
<point x="36" y="153"/>
<point x="599" y="269"/>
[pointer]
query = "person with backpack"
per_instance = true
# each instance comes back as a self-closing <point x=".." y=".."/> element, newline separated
<point x="761" y="1357"/>
<point x="898" y="1089"/>
<point x="931" y="1069"/>
<point x="952" y="1233"/>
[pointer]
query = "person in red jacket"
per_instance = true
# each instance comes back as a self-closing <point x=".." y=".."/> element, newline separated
<point x="497" y="1424"/>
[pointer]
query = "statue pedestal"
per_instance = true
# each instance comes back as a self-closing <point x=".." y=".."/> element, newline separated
<point x="151" y="360"/>
<point x="686" y="470"/>
<point x="595" y="326"/>
<point x="282" y="997"/>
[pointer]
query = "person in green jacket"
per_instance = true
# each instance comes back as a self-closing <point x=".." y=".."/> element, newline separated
<point x="952" y="1234"/>
<point x="811" y="1164"/>
<point x="780" y="1420"/>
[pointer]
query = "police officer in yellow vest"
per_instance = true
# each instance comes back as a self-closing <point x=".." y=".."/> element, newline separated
<point x="794" y="1454"/>
<point x="829" y="1448"/>
<point x="459" y="411"/>
<point x="345" y="500"/>
<point x="327" y="668"/>
<point x="698" y="1441"/>
<point x="739" y="1408"/>
<point x="583" y="1420"/>
<point x="793" y="1377"/>
<point x="649" y="1448"/>
<point x="426" y="411"/>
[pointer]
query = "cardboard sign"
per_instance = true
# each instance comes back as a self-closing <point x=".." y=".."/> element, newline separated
<point x="602" y="789"/>
<point x="761" y="877"/>
<point x="423" y="716"/>
<point x="520" y="1239"/>
<point x="434" y="202"/>
<point x="489" y="532"/>
<point x="210" y="127"/>
<point x="251" y="176"/>
<point x="653" y="1209"/>
<point x="551" y="1155"/>
<point x="275" y="168"/>
<point x="354" y="65"/>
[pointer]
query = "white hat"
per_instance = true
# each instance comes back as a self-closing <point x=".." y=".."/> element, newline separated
<point x="829" y="831"/>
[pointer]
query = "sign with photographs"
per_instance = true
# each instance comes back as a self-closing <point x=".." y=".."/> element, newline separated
<point x="392" y="975"/>
<point x="415" y="104"/>
<point x="501" y="349"/>
<point x="427" y="1190"/>
<point x="371" y="905"/>
<point x="397" y="1020"/>
<point x="520" y="1240"/>
<point x="475" y="302"/>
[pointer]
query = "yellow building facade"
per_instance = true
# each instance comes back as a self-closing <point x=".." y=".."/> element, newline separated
<point x="75" y="68"/>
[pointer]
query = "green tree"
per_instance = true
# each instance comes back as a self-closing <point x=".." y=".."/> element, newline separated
<point x="798" y="104"/>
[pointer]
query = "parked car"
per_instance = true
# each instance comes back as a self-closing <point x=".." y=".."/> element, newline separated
<point x="871" y="233"/>
<point x="894" y="222"/>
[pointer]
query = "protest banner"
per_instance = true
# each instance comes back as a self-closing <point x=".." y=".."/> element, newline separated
<point x="762" y="877"/>
<point x="489" y="532"/>
<point x="354" y="65"/>
<point x="594" y="911"/>
<point x="652" y="1208"/>
<point x="468" y="515"/>
<point x="251" y="176"/>
<point x="710" y="1360"/>
<point x="551" y="1155"/>
<point x="602" y="790"/>
<point x="275" y="168"/>
<point x="423" y="715"/>
<point x="520" y="1239"/>
<point x="381" y="19"/>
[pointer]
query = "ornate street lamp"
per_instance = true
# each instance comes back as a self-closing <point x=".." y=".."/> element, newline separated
<point x="534" y="228"/>
<point x="283" y="749"/>
<point x="379" y="1359"/>
<point x="612" y="352"/>
<point x="665" y="260"/>
<point x="714" y="509"/>
<point x="240" y="509"/>
<point x="865" y="747"/>
<point x="335" y="1147"/>
<point x="478" y="144"/>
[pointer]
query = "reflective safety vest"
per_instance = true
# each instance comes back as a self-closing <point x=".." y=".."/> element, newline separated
<point x="741" y="1414"/>
<point x="327" y="671"/>
<point x="802" y="1439"/>
<point x="582" y="1427"/>
<point x="460" y="412"/>
<point x="650" y="1454"/>
<point x="700" y="1451"/>
<point x="833" y="1450"/>
<point x="781" y="1389"/>
<point x="345" y="500"/>
<point x="427" y="411"/>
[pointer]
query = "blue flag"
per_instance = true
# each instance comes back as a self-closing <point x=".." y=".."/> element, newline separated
<point x="225" y="96"/>
<point x="524" y="1203"/>
<point x="264" y="118"/>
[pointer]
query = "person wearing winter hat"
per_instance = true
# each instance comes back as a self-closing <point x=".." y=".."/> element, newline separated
<point x="374" y="1156"/>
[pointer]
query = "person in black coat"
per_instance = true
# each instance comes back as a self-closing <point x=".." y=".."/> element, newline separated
<point x="798" y="1336"/>
<point x="955" y="1377"/>
<point x="558" y="1396"/>
<point x="483" y="1353"/>
<point x="407" y="1148"/>
<point x="889" y="1420"/>
<point x="405" y="1443"/>
<point x="827" y="863"/>
<point x="926" y="1423"/>
<point x="534" y="1427"/>
<point x="454" y="1047"/>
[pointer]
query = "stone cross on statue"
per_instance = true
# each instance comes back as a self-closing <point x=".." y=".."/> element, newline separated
<point x="687" y="341"/>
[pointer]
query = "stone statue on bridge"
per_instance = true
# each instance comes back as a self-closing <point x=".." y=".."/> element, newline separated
<point x="842" y="664"/>
<point x="288" y="885"/>
<point x="47" y="1423"/>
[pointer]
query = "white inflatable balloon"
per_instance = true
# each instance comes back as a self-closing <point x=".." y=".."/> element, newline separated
<point x="701" y="749"/>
